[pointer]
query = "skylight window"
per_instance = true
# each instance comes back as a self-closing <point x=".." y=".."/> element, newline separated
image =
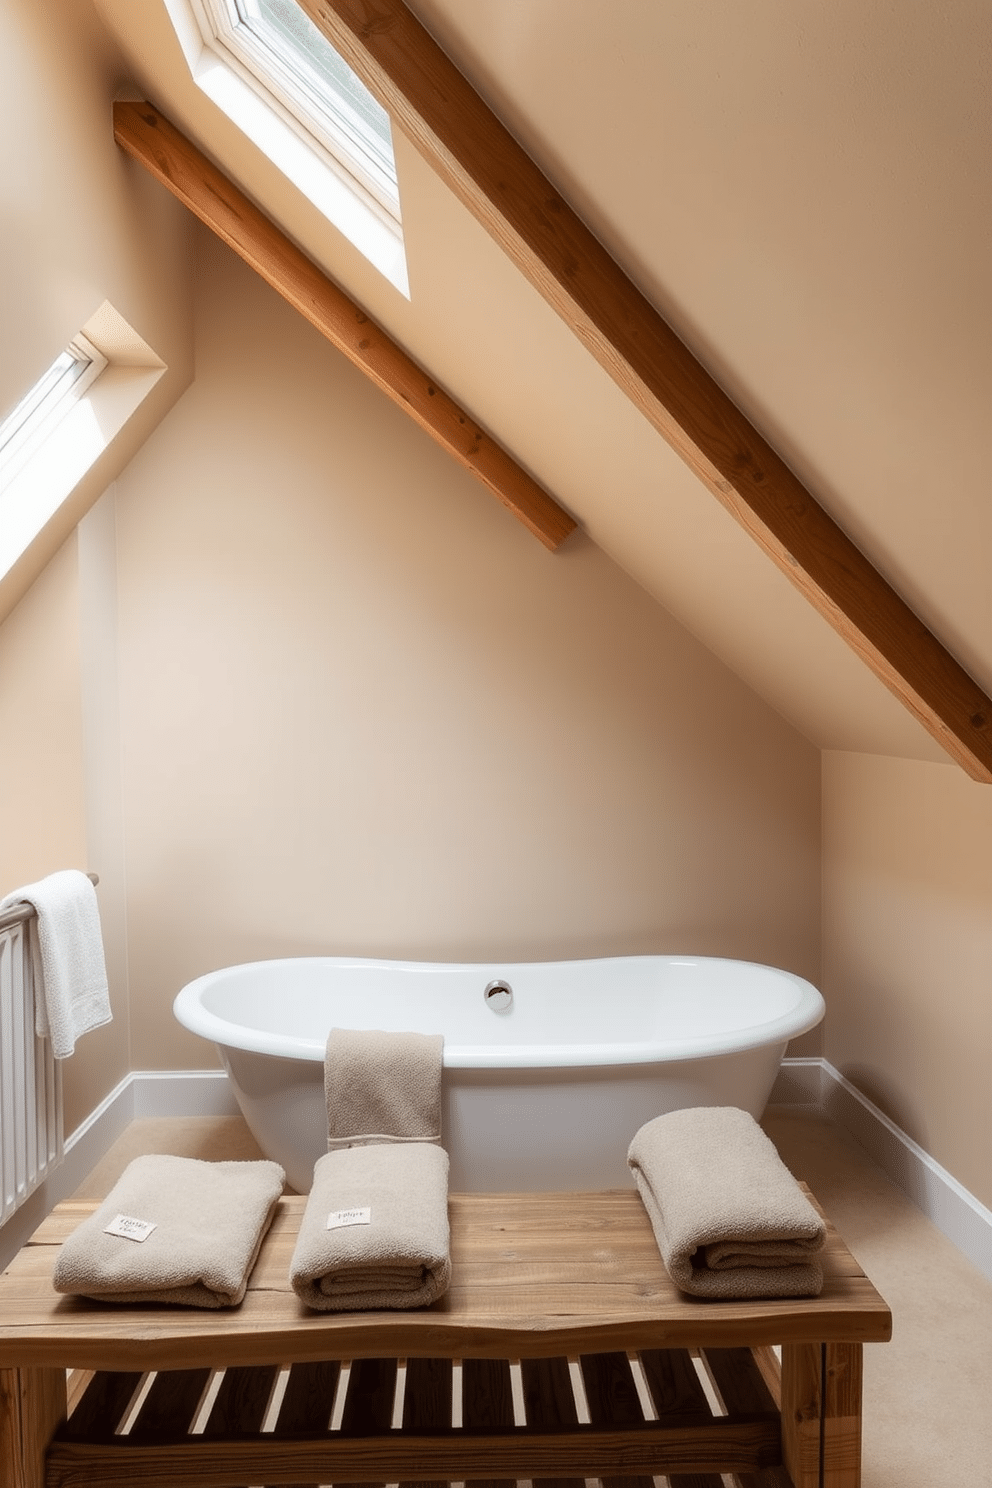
<point x="59" y="430"/>
<point x="269" y="68"/>
<point x="28" y="425"/>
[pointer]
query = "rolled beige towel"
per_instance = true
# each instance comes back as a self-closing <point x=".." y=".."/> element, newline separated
<point x="187" y="1232"/>
<point x="388" y="1244"/>
<point x="382" y="1087"/>
<point x="729" y="1218"/>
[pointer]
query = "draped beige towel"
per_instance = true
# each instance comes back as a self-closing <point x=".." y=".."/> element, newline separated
<point x="70" y="976"/>
<point x="401" y="1258"/>
<point x="210" y="1219"/>
<point x="729" y="1217"/>
<point x="382" y="1087"/>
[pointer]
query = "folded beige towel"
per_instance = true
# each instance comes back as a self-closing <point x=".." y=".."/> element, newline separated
<point x="209" y="1221"/>
<point x="729" y="1218"/>
<point x="382" y="1087"/>
<point x="389" y="1245"/>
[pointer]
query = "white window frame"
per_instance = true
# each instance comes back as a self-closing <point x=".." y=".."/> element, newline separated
<point x="238" y="73"/>
<point x="328" y="118"/>
<point x="61" y="428"/>
<point x="52" y="398"/>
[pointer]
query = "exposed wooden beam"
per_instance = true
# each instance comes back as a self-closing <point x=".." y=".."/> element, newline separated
<point x="144" y="133"/>
<point x="460" y="136"/>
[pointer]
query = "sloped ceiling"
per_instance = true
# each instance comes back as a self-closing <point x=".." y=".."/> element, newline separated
<point x="804" y="192"/>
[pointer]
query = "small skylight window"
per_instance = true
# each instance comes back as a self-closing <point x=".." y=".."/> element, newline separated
<point x="269" y="68"/>
<point x="28" y="425"/>
<point x="59" y="430"/>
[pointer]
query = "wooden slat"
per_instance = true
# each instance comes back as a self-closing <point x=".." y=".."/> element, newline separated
<point x="368" y="1405"/>
<point x="741" y="1386"/>
<point x="427" y="1403"/>
<point x="307" y="1402"/>
<point x="700" y="1480"/>
<point x="770" y="1370"/>
<point x="549" y="1402"/>
<point x="76" y="1383"/>
<point x="241" y="1401"/>
<point x="487" y="1403"/>
<point x="308" y="1399"/>
<point x="676" y="1390"/>
<point x="103" y="1405"/>
<point x="673" y="1384"/>
<point x="612" y="1399"/>
<point x="174" y="161"/>
<point x="463" y="140"/>
<point x="171" y="1404"/>
<point x="737" y="1445"/>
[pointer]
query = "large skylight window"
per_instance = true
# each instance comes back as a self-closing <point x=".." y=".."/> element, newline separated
<point x="268" y="67"/>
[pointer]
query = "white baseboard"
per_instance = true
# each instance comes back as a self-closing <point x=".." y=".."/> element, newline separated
<point x="936" y="1192"/>
<point x="811" y="1083"/>
<point x="141" y="1093"/>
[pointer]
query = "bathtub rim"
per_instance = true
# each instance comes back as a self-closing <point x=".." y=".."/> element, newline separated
<point x="189" y="1010"/>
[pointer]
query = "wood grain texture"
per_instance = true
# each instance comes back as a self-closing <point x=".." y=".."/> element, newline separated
<point x="802" y="1411"/>
<point x="612" y="1396"/>
<point x="487" y="1404"/>
<point x="724" y="1445"/>
<point x="171" y="1404"/>
<point x="32" y="1406"/>
<point x="532" y="1275"/>
<point x="427" y="1404"/>
<point x="505" y="190"/>
<point x="740" y="1383"/>
<point x="241" y="1401"/>
<point x="501" y="1234"/>
<point x="549" y="1402"/>
<point x="174" y="161"/>
<point x="842" y="1415"/>
<point x="103" y="1405"/>
<point x="308" y="1398"/>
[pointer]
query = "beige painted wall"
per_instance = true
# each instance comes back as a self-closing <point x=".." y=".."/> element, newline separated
<point x="45" y="791"/>
<point x="80" y="225"/>
<point x="41" y="771"/>
<point x="907" y="950"/>
<point x="364" y="711"/>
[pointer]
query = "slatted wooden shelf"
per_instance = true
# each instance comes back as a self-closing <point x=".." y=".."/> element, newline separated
<point x="325" y="1423"/>
<point x="562" y="1352"/>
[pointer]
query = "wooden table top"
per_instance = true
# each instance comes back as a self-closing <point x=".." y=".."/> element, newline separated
<point x="533" y="1274"/>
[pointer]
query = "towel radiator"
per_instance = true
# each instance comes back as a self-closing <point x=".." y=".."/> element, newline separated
<point x="31" y="1130"/>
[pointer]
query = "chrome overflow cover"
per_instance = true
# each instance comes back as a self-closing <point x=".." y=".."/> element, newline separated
<point x="498" y="995"/>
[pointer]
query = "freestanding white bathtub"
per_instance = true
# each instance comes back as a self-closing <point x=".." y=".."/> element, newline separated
<point x="544" y="1093"/>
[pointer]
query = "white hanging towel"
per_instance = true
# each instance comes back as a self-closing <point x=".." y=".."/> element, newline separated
<point x="70" y="975"/>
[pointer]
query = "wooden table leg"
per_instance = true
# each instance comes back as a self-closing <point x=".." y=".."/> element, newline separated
<point x="802" y="1396"/>
<point x="842" y="1416"/>
<point x="821" y="1414"/>
<point x="32" y="1405"/>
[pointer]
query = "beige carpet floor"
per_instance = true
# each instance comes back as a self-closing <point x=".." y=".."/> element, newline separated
<point x="928" y="1393"/>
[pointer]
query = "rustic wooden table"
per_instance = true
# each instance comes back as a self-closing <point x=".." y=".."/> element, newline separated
<point x="562" y="1351"/>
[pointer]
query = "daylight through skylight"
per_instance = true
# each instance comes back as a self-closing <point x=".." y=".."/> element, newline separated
<point x="58" y="431"/>
<point x="269" y="68"/>
<point x="27" y="426"/>
<point x="323" y="87"/>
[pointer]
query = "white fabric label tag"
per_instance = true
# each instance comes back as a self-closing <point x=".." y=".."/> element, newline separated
<point x="339" y="1218"/>
<point x="130" y="1229"/>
